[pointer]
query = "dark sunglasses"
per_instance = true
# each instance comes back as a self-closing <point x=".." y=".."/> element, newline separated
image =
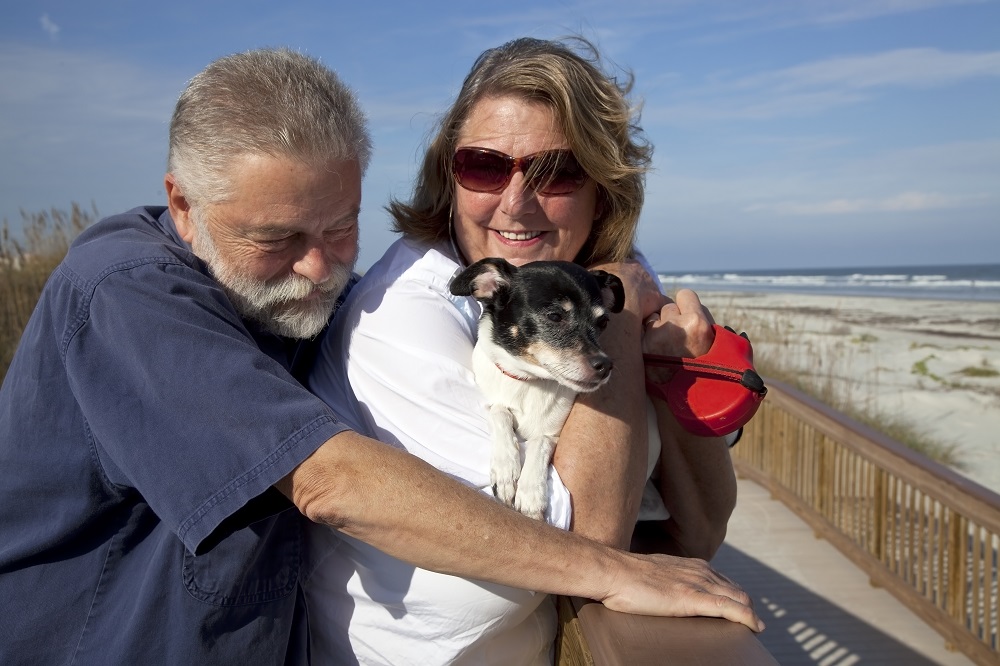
<point x="484" y="170"/>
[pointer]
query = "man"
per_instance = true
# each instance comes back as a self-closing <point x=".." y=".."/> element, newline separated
<point x="153" y="427"/>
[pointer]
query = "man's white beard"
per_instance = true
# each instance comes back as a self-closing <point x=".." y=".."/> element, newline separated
<point x="277" y="305"/>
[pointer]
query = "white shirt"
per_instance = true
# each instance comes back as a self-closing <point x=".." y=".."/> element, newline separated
<point x="397" y="366"/>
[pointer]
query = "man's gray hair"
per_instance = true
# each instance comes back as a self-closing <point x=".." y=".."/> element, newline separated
<point x="272" y="102"/>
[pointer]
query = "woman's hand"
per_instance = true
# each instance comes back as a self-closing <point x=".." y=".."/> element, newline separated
<point x="681" y="327"/>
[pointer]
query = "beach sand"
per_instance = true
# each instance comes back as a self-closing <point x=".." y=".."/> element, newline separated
<point x="930" y="363"/>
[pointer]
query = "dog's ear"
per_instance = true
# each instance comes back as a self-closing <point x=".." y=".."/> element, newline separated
<point x="485" y="280"/>
<point x="612" y="290"/>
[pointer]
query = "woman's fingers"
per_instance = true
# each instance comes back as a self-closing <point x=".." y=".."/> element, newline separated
<point x="689" y="303"/>
<point x="682" y="327"/>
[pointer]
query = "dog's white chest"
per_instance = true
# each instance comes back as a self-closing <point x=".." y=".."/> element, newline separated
<point x="539" y="406"/>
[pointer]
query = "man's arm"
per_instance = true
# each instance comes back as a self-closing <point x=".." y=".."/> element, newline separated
<point x="406" y="508"/>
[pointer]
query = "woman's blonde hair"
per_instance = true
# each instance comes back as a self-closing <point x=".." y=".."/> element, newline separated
<point x="591" y="107"/>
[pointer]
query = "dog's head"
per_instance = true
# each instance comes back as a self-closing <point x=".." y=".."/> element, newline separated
<point x="542" y="319"/>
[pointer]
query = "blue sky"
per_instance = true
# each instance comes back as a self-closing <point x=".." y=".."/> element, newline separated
<point x="788" y="133"/>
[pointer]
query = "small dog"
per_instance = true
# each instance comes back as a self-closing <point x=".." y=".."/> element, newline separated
<point x="537" y="349"/>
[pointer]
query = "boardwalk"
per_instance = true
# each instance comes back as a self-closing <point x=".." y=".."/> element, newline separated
<point x="819" y="607"/>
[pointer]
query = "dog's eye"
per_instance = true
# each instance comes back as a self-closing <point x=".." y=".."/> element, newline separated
<point x="602" y="322"/>
<point x="555" y="317"/>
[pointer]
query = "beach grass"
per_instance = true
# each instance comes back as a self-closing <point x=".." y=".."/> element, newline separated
<point x="822" y="371"/>
<point x="983" y="370"/>
<point x="26" y="261"/>
<point x="822" y="366"/>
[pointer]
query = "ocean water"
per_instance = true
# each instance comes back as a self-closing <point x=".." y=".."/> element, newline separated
<point x="970" y="282"/>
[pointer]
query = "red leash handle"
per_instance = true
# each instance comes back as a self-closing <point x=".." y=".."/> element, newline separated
<point x="714" y="394"/>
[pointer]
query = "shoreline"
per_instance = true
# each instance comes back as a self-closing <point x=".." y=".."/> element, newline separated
<point x="934" y="364"/>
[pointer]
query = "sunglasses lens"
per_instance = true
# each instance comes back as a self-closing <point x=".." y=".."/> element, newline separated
<point x="558" y="172"/>
<point x="550" y="172"/>
<point x="480" y="171"/>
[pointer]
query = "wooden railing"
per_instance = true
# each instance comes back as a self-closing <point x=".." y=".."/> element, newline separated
<point x="592" y="635"/>
<point x="926" y="534"/>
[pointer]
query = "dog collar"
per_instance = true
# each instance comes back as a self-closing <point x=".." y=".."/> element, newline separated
<point x="511" y="375"/>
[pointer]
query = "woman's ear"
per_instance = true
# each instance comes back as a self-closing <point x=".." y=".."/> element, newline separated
<point x="180" y="209"/>
<point x="601" y="204"/>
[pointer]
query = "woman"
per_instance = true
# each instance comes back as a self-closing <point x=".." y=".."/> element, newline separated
<point x="539" y="158"/>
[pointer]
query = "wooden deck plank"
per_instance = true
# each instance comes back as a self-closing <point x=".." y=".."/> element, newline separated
<point x="819" y="607"/>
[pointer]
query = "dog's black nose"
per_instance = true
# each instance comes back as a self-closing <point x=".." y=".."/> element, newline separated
<point x="602" y="365"/>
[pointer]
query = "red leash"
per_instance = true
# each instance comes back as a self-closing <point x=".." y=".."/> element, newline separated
<point x="714" y="394"/>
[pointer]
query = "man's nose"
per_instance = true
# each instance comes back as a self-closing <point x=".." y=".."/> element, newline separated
<point x="315" y="264"/>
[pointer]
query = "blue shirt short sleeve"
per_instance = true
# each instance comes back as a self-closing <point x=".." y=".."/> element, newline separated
<point x="142" y="427"/>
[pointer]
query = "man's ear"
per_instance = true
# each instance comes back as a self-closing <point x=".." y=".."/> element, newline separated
<point x="180" y="209"/>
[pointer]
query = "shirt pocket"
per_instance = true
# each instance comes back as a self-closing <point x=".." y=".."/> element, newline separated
<point x="257" y="564"/>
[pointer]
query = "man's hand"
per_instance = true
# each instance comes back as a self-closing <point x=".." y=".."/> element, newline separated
<point x="678" y="587"/>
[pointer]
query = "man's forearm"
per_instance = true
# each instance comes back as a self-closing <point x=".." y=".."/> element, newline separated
<point x="408" y="509"/>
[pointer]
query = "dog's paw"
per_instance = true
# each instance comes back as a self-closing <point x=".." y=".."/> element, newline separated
<point x="504" y="480"/>
<point x="532" y="500"/>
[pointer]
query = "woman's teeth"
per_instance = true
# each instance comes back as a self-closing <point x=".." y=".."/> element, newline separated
<point x="521" y="236"/>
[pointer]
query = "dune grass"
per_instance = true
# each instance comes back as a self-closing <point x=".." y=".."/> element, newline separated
<point x="983" y="370"/>
<point x="26" y="261"/>
<point x="824" y="371"/>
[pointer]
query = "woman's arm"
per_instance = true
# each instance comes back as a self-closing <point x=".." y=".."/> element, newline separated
<point x="696" y="477"/>
<point x="601" y="455"/>
<point x="602" y="452"/>
<point x="698" y="486"/>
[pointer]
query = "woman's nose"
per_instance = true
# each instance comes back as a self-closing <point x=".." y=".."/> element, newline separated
<point x="518" y="198"/>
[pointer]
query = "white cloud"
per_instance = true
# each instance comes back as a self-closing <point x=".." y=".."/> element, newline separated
<point x="50" y="27"/>
<point x="81" y="126"/>
<point x="842" y="11"/>
<point x="848" y="11"/>
<point x="919" y="68"/>
<point x="40" y="83"/>
<point x="818" y="86"/>
<point x="912" y="201"/>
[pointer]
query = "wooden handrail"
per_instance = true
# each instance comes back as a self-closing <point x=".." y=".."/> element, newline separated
<point x="592" y="635"/>
<point x="928" y="535"/>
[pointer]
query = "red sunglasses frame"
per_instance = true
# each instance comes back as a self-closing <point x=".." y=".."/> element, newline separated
<point x="556" y="164"/>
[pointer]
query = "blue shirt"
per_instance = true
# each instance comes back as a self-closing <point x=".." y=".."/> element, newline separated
<point x="142" y="427"/>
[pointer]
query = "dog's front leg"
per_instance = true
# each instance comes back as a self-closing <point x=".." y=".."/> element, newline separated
<point x="532" y="490"/>
<point x="505" y="465"/>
